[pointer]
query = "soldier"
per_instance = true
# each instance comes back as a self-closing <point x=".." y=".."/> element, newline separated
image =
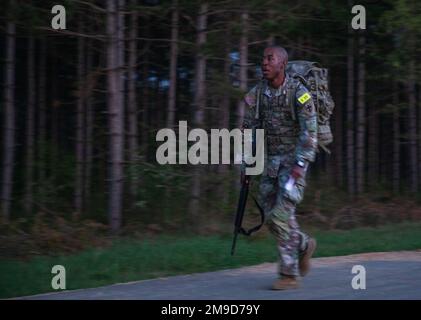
<point x="291" y="145"/>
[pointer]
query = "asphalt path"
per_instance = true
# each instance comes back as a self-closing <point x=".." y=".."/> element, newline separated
<point x="391" y="275"/>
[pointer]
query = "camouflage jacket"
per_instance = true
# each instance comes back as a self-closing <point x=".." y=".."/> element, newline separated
<point x="289" y="135"/>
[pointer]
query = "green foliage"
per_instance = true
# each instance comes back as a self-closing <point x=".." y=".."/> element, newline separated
<point x="402" y="24"/>
<point x="162" y="191"/>
<point x="49" y="234"/>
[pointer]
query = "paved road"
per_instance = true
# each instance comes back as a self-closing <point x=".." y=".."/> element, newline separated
<point x="388" y="276"/>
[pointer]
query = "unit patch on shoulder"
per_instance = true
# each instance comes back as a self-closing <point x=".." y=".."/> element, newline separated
<point x="304" y="98"/>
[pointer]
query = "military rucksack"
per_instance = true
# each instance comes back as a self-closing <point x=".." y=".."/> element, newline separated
<point x="315" y="79"/>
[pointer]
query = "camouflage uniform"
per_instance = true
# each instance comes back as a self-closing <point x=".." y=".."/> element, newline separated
<point x="289" y="138"/>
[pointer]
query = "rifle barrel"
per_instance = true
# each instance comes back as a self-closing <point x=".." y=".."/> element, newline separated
<point x="240" y="211"/>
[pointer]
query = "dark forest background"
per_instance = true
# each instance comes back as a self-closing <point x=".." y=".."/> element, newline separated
<point x="81" y="107"/>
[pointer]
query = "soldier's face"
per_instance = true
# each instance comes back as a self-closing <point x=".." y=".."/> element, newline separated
<point x="272" y="64"/>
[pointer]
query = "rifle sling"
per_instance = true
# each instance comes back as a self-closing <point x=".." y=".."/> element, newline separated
<point x="256" y="228"/>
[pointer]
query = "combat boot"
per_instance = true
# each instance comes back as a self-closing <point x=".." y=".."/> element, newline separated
<point x="304" y="259"/>
<point x="285" y="283"/>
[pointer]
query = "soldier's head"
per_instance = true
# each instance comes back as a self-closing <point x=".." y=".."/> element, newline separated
<point x="274" y="62"/>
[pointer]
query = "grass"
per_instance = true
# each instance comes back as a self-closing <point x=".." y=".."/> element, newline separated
<point x="130" y="260"/>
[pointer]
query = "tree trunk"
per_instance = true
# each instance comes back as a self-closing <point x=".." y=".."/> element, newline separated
<point x="200" y="72"/>
<point x="373" y="148"/>
<point x="116" y="118"/>
<point x="419" y="134"/>
<point x="89" y="127"/>
<point x="224" y="115"/>
<point x="80" y="127"/>
<point x="396" y="139"/>
<point x="361" y="117"/>
<point x="243" y="65"/>
<point x="30" y="133"/>
<point x="412" y="128"/>
<point x="243" y="78"/>
<point x="42" y="121"/>
<point x="54" y="154"/>
<point x="132" y="102"/>
<point x="350" y="115"/>
<point x="338" y="138"/>
<point x="145" y="95"/>
<point x="199" y="101"/>
<point x="173" y="81"/>
<point x="271" y="39"/>
<point x="173" y="66"/>
<point x="9" y="120"/>
<point x="121" y="49"/>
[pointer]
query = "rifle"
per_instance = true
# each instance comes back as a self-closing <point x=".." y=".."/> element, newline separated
<point x="242" y="204"/>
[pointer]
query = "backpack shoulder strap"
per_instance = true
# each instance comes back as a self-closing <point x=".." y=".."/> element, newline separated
<point x="258" y="98"/>
<point x="291" y="93"/>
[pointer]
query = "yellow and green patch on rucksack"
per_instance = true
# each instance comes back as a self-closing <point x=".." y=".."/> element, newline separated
<point x="315" y="79"/>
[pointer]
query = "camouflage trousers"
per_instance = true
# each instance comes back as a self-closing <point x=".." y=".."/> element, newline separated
<point x="279" y="206"/>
